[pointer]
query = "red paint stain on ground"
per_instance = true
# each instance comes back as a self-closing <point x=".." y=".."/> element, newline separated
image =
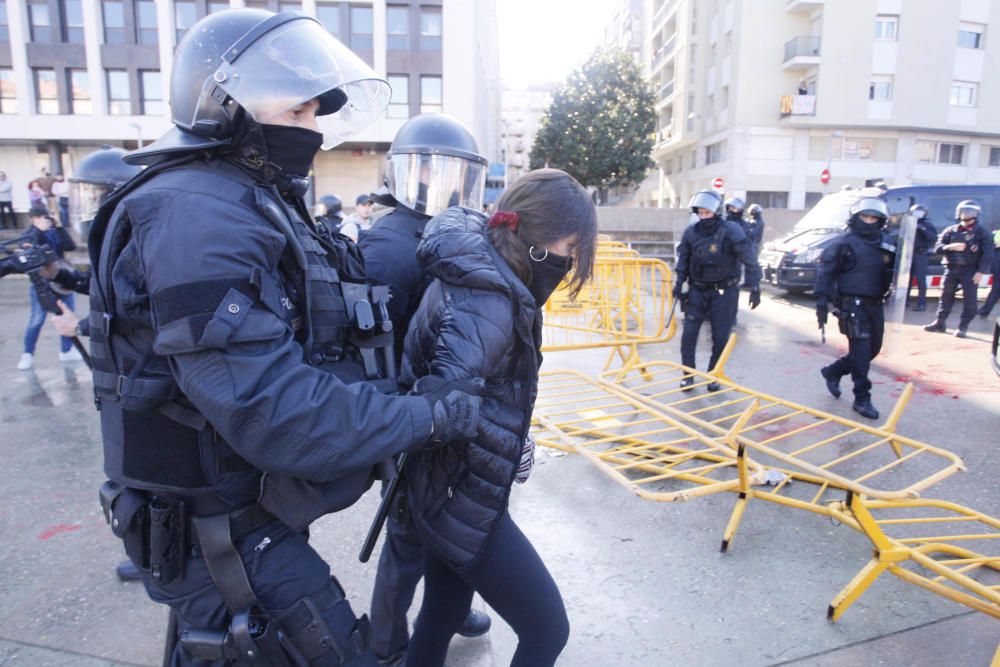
<point x="49" y="533"/>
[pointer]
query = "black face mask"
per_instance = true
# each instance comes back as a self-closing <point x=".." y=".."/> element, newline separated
<point x="546" y="276"/>
<point x="864" y="229"/>
<point x="291" y="149"/>
<point x="709" y="225"/>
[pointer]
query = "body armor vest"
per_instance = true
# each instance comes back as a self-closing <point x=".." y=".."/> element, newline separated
<point x="973" y="239"/>
<point x="710" y="262"/>
<point x="866" y="268"/>
<point x="156" y="440"/>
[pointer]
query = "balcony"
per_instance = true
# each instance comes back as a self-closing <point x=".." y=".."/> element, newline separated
<point x="664" y="53"/>
<point x="798" y="105"/>
<point x="661" y="14"/>
<point x="803" y="5"/>
<point x="802" y="53"/>
<point x="666" y="91"/>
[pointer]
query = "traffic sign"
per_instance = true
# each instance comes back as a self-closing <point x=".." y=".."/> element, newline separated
<point x="718" y="183"/>
<point x="824" y="176"/>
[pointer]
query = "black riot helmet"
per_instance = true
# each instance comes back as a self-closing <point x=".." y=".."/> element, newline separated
<point x="918" y="211"/>
<point x="873" y="206"/>
<point x="754" y="212"/>
<point x="434" y="163"/>
<point x="249" y="62"/>
<point x="736" y="205"/>
<point x="332" y="205"/>
<point x="706" y="199"/>
<point x="968" y="209"/>
<point x="94" y="178"/>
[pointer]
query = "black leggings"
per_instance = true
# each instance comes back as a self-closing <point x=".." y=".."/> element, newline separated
<point x="512" y="579"/>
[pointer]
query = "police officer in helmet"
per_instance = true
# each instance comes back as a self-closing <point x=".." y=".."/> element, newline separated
<point x="734" y="210"/>
<point x="925" y="238"/>
<point x="854" y="276"/>
<point x="433" y="163"/>
<point x="709" y="257"/>
<point x="245" y="366"/>
<point x="968" y="255"/>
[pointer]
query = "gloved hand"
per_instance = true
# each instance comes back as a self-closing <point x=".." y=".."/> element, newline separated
<point x="754" y="297"/>
<point x="454" y="406"/>
<point x="821" y="314"/>
<point x="679" y="291"/>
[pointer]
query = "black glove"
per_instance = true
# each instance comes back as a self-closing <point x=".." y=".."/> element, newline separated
<point x="821" y="314"/>
<point x="454" y="406"/>
<point x="679" y="294"/>
<point x="754" y="297"/>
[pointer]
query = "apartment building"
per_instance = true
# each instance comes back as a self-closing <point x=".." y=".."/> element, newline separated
<point x="75" y="74"/>
<point x="520" y="115"/>
<point x="768" y="94"/>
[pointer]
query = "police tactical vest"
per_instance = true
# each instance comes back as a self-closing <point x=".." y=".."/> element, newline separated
<point x="973" y="239"/>
<point x="154" y="439"/>
<point x="865" y="268"/>
<point x="710" y="260"/>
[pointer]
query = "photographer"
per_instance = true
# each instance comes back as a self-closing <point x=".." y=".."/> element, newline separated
<point x="45" y="231"/>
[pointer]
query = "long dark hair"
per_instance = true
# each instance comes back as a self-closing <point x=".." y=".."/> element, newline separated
<point x="550" y="205"/>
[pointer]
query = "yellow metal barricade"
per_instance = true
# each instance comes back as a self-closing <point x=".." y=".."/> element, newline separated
<point x="625" y="304"/>
<point x="946" y="548"/>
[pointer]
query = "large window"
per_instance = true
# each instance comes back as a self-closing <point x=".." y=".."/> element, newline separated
<point x="289" y="6"/>
<point x="329" y="16"/>
<point x="963" y="94"/>
<point x="213" y="7"/>
<point x="46" y="91"/>
<point x="8" y="91"/>
<point x="398" y="27"/>
<point x="994" y="161"/>
<point x="185" y="15"/>
<point x="40" y="21"/>
<point x="430" y="94"/>
<point x="4" y="29"/>
<point x="715" y="152"/>
<point x="886" y="28"/>
<point x="79" y="92"/>
<point x="941" y="153"/>
<point x="880" y="89"/>
<point x="362" y="28"/>
<point x="970" y="35"/>
<point x="145" y="14"/>
<point x="850" y="148"/>
<point x="768" y="199"/>
<point x="430" y="28"/>
<point x="119" y="100"/>
<point x="399" y="104"/>
<point x="152" y="93"/>
<point x="114" y="21"/>
<point x="72" y="11"/>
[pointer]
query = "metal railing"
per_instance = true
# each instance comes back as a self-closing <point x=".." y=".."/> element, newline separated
<point x="802" y="47"/>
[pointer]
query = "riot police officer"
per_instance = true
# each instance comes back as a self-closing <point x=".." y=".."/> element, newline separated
<point x="754" y="222"/>
<point x="241" y="357"/>
<point x="433" y="163"/>
<point x="968" y="254"/>
<point x="854" y="275"/>
<point x="734" y="210"/>
<point x="922" y="243"/>
<point x="709" y="257"/>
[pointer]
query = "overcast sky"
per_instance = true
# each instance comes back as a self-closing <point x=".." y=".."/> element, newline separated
<point x="543" y="40"/>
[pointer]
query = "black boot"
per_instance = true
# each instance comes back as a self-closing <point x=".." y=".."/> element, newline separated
<point x="686" y="383"/>
<point x="962" y="332"/>
<point x="126" y="571"/>
<point x="832" y="382"/>
<point x="864" y="407"/>
<point x="936" y="326"/>
<point x="713" y="386"/>
<point x="476" y="624"/>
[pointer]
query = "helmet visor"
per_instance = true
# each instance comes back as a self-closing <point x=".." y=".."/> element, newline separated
<point x="84" y="200"/>
<point x="431" y="183"/>
<point x="296" y="62"/>
<point x="966" y="212"/>
<point x="706" y="200"/>
<point x="870" y="206"/>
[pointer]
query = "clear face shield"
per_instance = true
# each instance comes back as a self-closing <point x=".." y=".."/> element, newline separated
<point x="704" y="200"/>
<point x="967" y="212"/>
<point x="84" y="200"/>
<point x="296" y="62"/>
<point x="430" y="184"/>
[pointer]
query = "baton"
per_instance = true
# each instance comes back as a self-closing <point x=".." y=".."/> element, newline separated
<point x="391" y="491"/>
<point x="673" y="308"/>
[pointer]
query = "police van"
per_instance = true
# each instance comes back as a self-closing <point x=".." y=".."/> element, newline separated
<point x="790" y="261"/>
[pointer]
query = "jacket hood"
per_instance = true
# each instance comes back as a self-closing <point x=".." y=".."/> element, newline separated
<point x="456" y="249"/>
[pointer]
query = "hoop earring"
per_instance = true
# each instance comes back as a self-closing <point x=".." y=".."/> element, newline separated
<point x="531" y="254"/>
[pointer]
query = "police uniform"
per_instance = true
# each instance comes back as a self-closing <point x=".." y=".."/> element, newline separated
<point x="994" y="295"/>
<point x="709" y="257"/>
<point x="960" y="268"/>
<point x="923" y="242"/>
<point x="854" y="276"/>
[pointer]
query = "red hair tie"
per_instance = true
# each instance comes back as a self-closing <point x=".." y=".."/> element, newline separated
<point x="507" y="219"/>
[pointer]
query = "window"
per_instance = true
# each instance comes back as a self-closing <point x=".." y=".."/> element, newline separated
<point x="398" y="27"/>
<point x="213" y="7"/>
<point x="289" y="6"/>
<point x="119" y="101"/>
<point x="146" y="22"/>
<point x="4" y="29"/>
<point x="46" y="91"/>
<point x="951" y="153"/>
<point x="399" y="103"/>
<point x="994" y="156"/>
<point x="694" y="159"/>
<point x="715" y="152"/>
<point x="970" y="36"/>
<point x="849" y="148"/>
<point x="812" y="198"/>
<point x="8" y="91"/>
<point x="72" y="11"/>
<point x="963" y="94"/>
<point x="185" y="16"/>
<point x="430" y="94"/>
<point x="329" y="16"/>
<point x="430" y="28"/>
<point x="362" y="22"/>
<point x="880" y="89"/>
<point x="41" y="23"/>
<point x="886" y="28"/>
<point x="768" y="199"/>
<point x="79" y="92"/>
<point x="114" y="21"/>
<point x="151" y="96"/>
<point x="256" y="4"/>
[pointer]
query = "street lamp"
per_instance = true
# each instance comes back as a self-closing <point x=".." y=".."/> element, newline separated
<point x="138" y="132"/>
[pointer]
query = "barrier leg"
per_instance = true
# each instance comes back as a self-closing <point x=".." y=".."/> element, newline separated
<point x="720" y="366"/>
<point x="996" y="657"/>
<point x="897" y="412"/>
<point x="745" y="492"/>
<point x="858" y="585"/>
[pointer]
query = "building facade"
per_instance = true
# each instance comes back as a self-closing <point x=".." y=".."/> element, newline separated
<point x="769" y="94"/>
<point x="521" y="112"/>
<point x="75" y="74"/>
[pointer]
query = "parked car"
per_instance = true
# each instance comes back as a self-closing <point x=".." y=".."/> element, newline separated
<point x="790" y="261"/>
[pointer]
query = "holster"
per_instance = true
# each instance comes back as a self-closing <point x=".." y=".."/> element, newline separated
<point x="167" y="539"/>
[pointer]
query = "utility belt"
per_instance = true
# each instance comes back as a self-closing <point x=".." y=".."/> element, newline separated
<point x="848" y="300"/>
<point x="960" y="262"/>
<point x="721" y="285"/>
<point x="852" y="321"/>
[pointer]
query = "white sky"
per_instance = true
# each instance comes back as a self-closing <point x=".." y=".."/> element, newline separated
<point x="543" y="40"/>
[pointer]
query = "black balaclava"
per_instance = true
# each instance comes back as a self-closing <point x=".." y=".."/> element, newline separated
<point x="291" y="149"/>
<point x="709" y="225"/>
<point x="864" y="230"/>
<point x="546" y="276"/>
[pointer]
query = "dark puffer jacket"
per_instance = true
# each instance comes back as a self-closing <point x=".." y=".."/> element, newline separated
<point x="476" y="320"/>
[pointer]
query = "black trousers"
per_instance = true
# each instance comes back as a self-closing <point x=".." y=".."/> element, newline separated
<point x="864" y="326"/>
<point x="719" y="308"/>
<point x="956" y="278"/>
<point x="7" y="208"/>
<point x="918" y="272"/>
<point x="994" y="295"/>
